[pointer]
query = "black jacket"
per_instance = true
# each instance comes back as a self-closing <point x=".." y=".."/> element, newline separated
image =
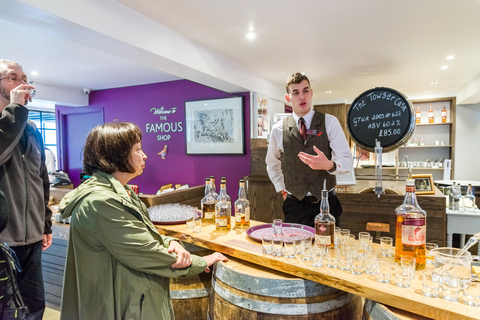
<point x="23" y="178"/>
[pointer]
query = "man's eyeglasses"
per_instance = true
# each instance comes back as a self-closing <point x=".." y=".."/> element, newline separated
<point x="15" y="78"/>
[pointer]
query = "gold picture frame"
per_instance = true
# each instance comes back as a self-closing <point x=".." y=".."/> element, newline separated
<point x="423" y="184"/>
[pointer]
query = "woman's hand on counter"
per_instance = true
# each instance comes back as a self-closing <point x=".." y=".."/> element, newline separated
<point x="183" y="256"/>
<point x="212" y="258"/>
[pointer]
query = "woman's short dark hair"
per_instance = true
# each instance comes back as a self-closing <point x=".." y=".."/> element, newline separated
<point x="108" y="147"/>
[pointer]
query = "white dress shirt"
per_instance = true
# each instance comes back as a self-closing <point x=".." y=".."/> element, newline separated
<point x="341" y="153"/>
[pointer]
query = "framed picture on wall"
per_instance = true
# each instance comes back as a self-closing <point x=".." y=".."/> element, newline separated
<point x="215" y="126"/>
<point x="423" y="183"/>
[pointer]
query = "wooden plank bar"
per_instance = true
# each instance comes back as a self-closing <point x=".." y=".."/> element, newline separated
<point x="237" y="244"/>
<point x="190" y="196"/>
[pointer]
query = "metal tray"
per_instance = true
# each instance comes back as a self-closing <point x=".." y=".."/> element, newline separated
<point x="256" y="233"/>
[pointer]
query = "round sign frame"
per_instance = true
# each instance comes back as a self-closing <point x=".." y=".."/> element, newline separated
<point x="381" y="114"/>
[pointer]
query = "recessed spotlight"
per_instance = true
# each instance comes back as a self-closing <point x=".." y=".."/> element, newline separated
<point x="427" y="91"/>
<point x="328" y="91"/>
<point x="449" y="57"/>
<point x="444" y="67"/>
<point x="34" y="73"/>
<point x="251" y="35"/>
<point x="433" y="82"/>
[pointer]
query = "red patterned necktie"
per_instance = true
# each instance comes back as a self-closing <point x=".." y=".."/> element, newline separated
<point x="302" y="128"/>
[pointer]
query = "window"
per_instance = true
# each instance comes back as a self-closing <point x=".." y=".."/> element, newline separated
<point x="46" y="124"/>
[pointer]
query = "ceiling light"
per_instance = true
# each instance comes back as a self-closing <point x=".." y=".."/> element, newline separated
<point x="434" y="82"/>
<point x="34" y="73"/>
<point x="328" y="91"/>
<point x="449" y="57"/>
<point x="444" y="67"/>
<point x="427" y="91"/>
<point x="251" y="35"/>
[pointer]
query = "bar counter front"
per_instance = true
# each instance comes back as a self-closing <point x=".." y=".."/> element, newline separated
<point x="236" y="243"/>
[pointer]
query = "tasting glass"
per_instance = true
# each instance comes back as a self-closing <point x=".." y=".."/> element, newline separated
<point x="337" y="237"/>
<point x="386" y="246"/>
<point x="403" y="274"/>
<point x="371" y="262"/>
<point x="277" y="245"/>
<point x="384" y="272"/>
<point x="428" y="256"/>
<point x="357" y="262"/>
<point x="450" y="286"/>
<point x="267" y="243"/>
<point x="289" y="246"/>
<point x="197" y="222"/>
<point x="331" y="255"/>
<point x="410" y="261"/>
<point x="277" y="226"/>
<point x="318" y="253"/>
<point x="430" y="283"/>
<point x="344" y="257"/>
<point x="191" y="217"/>
<point x="363" y="234"/>
<point x="471" y="292"/>
<point x="305" y="246"/>
<point x="344" y="233"/>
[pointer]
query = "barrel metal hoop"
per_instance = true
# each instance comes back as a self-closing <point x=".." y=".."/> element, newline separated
<point x="281" y="308"/>
<point x="288" y="288"/>
<point x="190" y="294"/>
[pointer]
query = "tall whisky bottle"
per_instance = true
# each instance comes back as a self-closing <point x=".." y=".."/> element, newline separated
<point x="411" y="228"/>
<point x="444" y="115"/>
<point x="223" y="210"/>
<point x="224" y="179"/>
<point x="430" y="115"/>
<point x="325" y="223"/>
<point x="418" y="116"/>
<point x="213" y="188"/>
<point x="242" y="207"/>
<point x="208" y="203"/>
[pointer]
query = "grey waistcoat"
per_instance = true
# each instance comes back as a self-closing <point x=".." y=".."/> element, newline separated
<point x="300" y="178"/>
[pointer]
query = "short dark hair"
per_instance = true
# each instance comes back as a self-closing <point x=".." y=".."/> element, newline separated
<point x="295" y="78"/>
<point x="108" y="147"/>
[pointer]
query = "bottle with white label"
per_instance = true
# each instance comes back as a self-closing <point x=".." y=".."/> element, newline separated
<point x="411" y="228"/>
<point x="208" y="203"/>
<point x="223" y="209"/>
<point x="325" y="223"/>
<point x="242" y="207"/>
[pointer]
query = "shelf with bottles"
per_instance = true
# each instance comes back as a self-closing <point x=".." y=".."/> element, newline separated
<point x="432" y="113"/>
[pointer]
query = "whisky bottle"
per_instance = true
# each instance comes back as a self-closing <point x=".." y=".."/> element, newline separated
<point x="242" y="207"/>
<point x="469" y="200"/>
<point x="418" y="116"/>
<point x="208" y="203"/>
<point x="444" y="115"/>
<point x="411" y="228"/>
<point x="325" y="223"/>
<point x="213" y="188"/>
<point x="223" y="210"/>
<point x="224" y="179"/>
<point x="430" y="115"/>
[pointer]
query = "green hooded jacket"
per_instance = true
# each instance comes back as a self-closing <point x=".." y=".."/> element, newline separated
<point x="117" y="263"/>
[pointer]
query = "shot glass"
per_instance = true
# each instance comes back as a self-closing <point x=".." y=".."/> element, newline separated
<point x="363" y="233"/>
<point x="318" y="254"/>
<point x="277" y="226"/>
<point x="403" y="274"/>
<point x="191" y="217"/>
<point x="197" y="223"/>
<point x="411" y="262"/>
<point x="344" y="257"/>
<point x="384" y="272"/>
<point x="429" y="258"/>
<point x="371" y="262"/>
<point x="450" y="286"/>
<point x="277" y="245"/>
<point x="289" y="249"/>
<point x="337" y="237"/>
<point x="357" y="263"/>
<point x="331" y="255"/>
<point x="267" y="243"/>
<point x="430" y="283"/>
<point x="306" y="247"/>
<point x="471" y="292"/>
<point x="386" y="246"/>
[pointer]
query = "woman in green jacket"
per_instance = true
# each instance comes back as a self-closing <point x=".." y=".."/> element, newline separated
<point x="118" y="266"/>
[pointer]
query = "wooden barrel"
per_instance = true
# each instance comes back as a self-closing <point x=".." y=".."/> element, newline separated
<point x="373" y="310"/>
<point x="191" y="295"/>
<point x="241" y="290"/>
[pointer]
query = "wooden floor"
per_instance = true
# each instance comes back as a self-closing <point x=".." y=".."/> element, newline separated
<point x="51" y="314"/>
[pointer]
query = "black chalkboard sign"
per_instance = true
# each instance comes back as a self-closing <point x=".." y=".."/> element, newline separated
<point x="381" y="114"/>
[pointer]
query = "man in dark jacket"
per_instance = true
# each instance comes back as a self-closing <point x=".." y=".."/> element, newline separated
<point x="24" y="180"/>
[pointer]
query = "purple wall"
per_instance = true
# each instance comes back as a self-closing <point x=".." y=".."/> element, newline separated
<point x="135" y="104"/>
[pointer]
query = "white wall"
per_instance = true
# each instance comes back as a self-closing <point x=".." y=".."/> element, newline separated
<point x="467" y="142"/>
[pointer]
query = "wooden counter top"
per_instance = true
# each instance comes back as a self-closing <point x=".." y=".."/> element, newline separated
<point x="237" y="244"/>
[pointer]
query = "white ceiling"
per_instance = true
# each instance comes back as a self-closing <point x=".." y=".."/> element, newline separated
<point x="344" y="46"/>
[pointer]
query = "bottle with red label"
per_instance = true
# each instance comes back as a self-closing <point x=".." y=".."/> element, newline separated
<point x="430" y="115"/>
<point x="411" y="228"/>
<point x="325" y="223"/>
<point x="418" y="116"/>
<point x="444" y="115"/>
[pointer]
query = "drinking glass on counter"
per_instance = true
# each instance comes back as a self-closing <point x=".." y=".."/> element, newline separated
<point x="306" y="246"/>
<point x="384" y="272"/>
<point x="197" y="222"/>
<point x="278" y="245"/>
<point x="386" y="246"/>
<point x="331" y="254"/>
<point x="289" y="246"/>
<point x="403" y="274"/>
<point x="450" y="286"/>
<point x="471" y="292"/>
<point x="428" y="256"/>
<point x="371" y="262"/>
<point x="411" y="262"/>
<point x="267" y="243"/>
<point x="357" y="262"/>
<point x="318" y="253"/>
<point x="430" y="283"/>
<point x="277" y="226"/>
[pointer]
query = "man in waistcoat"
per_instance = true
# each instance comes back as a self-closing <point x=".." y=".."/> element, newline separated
<point x="306" y="149"/>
